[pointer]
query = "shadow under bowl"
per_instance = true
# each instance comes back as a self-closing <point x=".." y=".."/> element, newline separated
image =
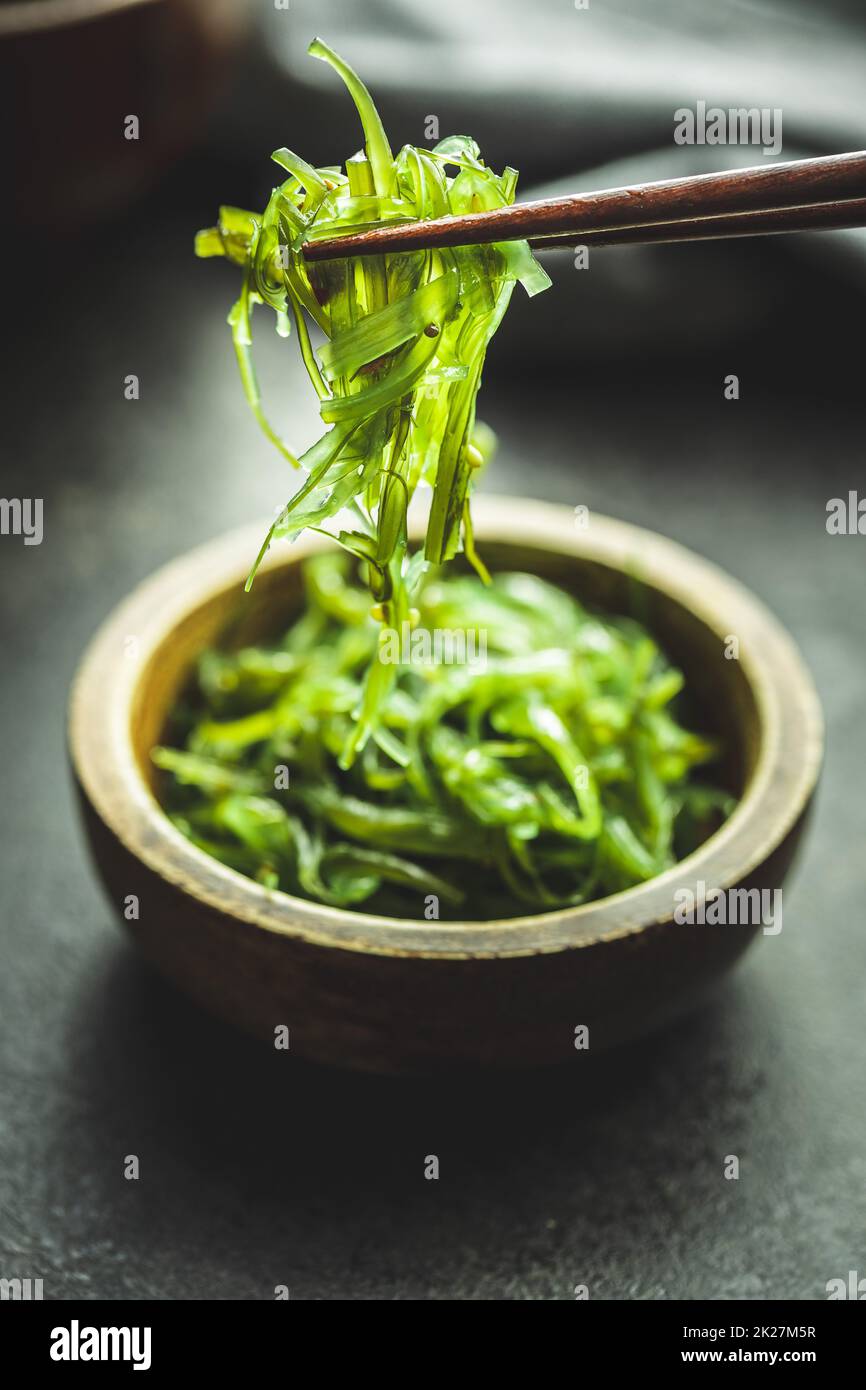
<point x="402" y="996"/>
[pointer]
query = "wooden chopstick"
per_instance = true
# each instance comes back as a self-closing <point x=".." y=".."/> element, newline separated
<point x="766" y="188"/>
<point x="838" y="216"/>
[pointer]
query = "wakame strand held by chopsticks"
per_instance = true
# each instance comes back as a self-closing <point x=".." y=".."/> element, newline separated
<point x="400" y="367"/>
<point x="765" y="188"/>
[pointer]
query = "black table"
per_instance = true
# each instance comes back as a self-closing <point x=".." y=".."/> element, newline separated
<point x="259" y="1170"/>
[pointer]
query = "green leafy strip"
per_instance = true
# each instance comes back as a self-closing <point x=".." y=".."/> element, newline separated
<point x="551" y="772"/>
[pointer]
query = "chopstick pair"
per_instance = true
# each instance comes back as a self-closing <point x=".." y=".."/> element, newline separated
<point x="800" y="195"/>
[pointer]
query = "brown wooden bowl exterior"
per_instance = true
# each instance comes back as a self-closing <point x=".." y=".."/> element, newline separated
<point x="395" y="995"/>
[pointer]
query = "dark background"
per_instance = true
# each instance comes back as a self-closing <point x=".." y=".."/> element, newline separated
<point x="256" y="1169"/>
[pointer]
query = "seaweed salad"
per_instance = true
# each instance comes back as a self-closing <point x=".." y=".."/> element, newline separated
<point x="534" y="763"/>
<point x="405" y="336"/>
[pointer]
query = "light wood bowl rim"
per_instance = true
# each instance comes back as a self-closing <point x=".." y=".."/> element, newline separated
<point x="778" y="792"/>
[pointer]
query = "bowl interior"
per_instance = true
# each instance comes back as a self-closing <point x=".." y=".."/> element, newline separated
<point x="719" y="697"/>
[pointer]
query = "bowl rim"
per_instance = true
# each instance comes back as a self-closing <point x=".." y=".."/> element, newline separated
<point x="776" y="796"/>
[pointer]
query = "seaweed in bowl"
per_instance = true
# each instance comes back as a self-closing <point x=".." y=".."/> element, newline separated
<point x="528" y="755"/>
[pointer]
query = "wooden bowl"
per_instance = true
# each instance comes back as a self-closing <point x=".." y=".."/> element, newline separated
<point x="394" y="995"/>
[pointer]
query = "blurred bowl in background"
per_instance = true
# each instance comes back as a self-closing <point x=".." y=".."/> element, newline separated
<point x="71" y="71"/>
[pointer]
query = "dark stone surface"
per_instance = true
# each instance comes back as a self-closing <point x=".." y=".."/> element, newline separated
<point x="257" y="1170"/>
